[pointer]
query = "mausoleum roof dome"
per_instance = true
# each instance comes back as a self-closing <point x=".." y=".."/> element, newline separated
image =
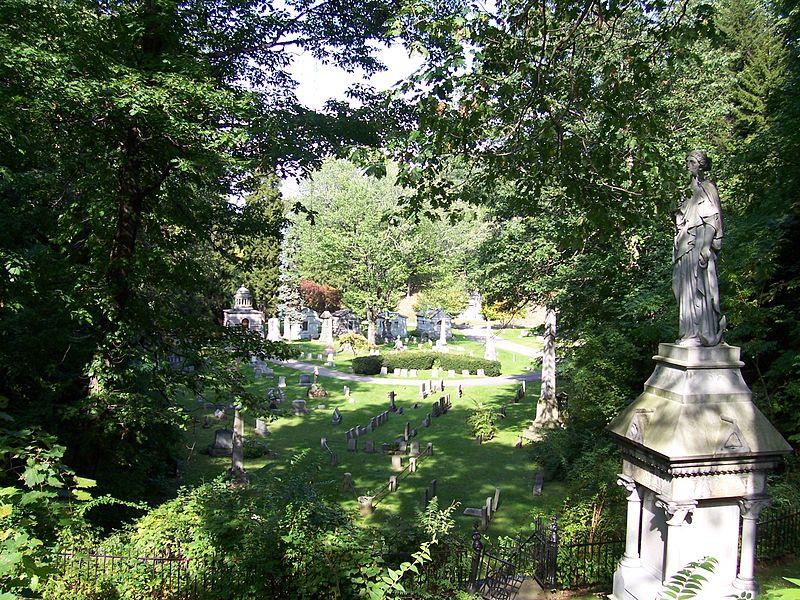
<point x="243" y="298"/>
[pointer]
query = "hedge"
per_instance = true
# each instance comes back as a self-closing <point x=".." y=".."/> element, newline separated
<point x="409" y="360"/>
<point x="371" y="365"/>
<point x="367" y="365"/>
<point x="459" y="362"/>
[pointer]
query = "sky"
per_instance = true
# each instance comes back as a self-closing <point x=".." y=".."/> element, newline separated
<point x="318" y="82"/>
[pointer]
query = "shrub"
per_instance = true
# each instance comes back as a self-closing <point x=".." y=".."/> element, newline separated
<point x="367" y="365"/>
<point x="320" y="297"/>
<point x="459" y="362"/>
<point x="481" y="422"/>
<point x="409" y="360"/>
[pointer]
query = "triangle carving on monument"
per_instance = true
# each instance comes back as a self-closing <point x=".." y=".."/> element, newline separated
<point x="732" y="439"/>
<point x="637" y="425"/>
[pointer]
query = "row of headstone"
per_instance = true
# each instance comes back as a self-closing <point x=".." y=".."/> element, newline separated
<point x="261" y="370"/>
<point x="441" y="407"/>
<point x="374" y="423"/>
<point x="401" y="372"/>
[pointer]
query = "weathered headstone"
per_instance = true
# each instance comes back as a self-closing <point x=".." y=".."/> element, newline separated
<point x="336" y="419"/>
<point x="496" y="500"/>
<point x="323" y="443"/>
<point x="405" y="431"/>
<point x="403" y="446"/>
<point x="429" y="449"/>
<point x="223" y="443"/>
<point x="464" y="372"/>
<point x="403" y="372"/>
<point x="397" y="462"/>
<point x="347" y="483"/>
<point x="414" y="448"/>
<point x="481" y="373"/>
<point x="392" y="406"/>
<point x="369" y="446"/>
<point x="261" y="428"/>
<point x="396" y="371"/>
<point x="412" y="464"/>
<point x="426" y="422"/>
<point x="299" y="408"/>
<point x="334" y="459"/>
<point x="352" y="445"/>
<point x="393" y="483"/>
<point x="538" y="483"/>
<point x="219" y="414"/>
<point x="281" y="381"/>
<point x="384" y="371"/>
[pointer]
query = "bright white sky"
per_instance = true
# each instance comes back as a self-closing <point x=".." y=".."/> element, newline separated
<point x="318" y="83"/>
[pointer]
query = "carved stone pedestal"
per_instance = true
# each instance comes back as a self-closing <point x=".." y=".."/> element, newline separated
<point x="696" y="453"/>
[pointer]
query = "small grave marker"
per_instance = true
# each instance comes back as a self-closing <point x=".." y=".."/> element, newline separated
<point x="538" y="483"/>
<point x="397" y="462"/>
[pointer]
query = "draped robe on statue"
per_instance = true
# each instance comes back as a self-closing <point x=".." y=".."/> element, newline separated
<point x="694" y="280"/>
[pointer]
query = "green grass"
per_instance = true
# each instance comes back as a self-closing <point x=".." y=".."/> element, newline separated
<point x="465" y="471"/>
<point x="513" y="335"/>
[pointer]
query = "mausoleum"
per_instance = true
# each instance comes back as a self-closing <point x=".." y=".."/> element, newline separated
<point x="243" y="314"/>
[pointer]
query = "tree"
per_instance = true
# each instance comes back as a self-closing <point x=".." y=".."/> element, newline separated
<point x="126" y="129"/>
<point x="320" y="297"/>
<point x="356" y="243"/>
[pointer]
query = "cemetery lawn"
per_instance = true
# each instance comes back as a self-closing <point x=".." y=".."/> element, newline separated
<point x="513" y="335"/>
<point x="465" y="472"/>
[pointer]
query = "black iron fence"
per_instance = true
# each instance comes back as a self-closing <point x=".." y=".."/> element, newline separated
<point x="164" y="576"/>
<point x="778" y="533"/>
<point x="491" y="569"/>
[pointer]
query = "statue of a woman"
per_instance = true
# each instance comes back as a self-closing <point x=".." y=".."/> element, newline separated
<point x="698" y="237"/>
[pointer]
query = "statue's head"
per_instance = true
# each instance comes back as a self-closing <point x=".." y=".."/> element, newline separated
<point x="703" y="161"/>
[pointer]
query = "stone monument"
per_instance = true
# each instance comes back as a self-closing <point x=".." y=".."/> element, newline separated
<point x="274" y="330"/>
<point x="547" y="413"/>
<point x="326" y="334"/>
<point x="490" y="353"/>
<point x="696" y="450"/>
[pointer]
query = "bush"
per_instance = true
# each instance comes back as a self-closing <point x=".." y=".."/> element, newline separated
<point x="481" y="422"/>
<point x="367" y="365"/>
<point x="410" y="360"/>
<point x="459" y="362"/>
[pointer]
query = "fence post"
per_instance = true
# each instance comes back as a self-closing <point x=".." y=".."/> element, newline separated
<point x="477" y="551"/>
<point x="552" y="553"/>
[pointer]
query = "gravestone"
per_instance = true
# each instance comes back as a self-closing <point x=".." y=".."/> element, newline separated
<point x="412" y="464"/>
<point x="393" y="483"/>
<point x="403" y="372"/>
<point x="405" y="431"/>
<point x="538" y="483"/>
<point x="281" y="381"/>
<point x="415" y="449"/>
<point x="385" y="447"/>
<point x="412" y="372"/>
<point x="496" y="500"/>
<point x="432" y="488"/>
<point x="397" y="462"/>
<point x="451" y="373"/>
<point x="400" y="410"/>
<point x="481" y="373"/>
<point x="369" y="446"/>
<point x="429" y="449"/>
<point x="219" y="414"/>
<point x="435" y="410"/>
<point x="323" y="443"/>
<point x="223" y="443"/>
<point x="423" y="391"/>
<point x="261" y="428"/>
<point x="392" y="406"/>
<point x="334" y="459"/>
<point x="373" y="423"/>
<point x="479" y="439"/>
<point x="336" y="419"/>
<point x="426" y="422"/>
<point x="384" y="371"/>
<point x="403" y="446"/>
<point x="464" y="372"/>
<point x="347" y="483"/>
<point x="299" y="408"/>
<point x="352" y="445"/>
<point x="396" y="371"/>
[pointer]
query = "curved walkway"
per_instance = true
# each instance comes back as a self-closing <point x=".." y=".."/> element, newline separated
<point x="463" y="381"/>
